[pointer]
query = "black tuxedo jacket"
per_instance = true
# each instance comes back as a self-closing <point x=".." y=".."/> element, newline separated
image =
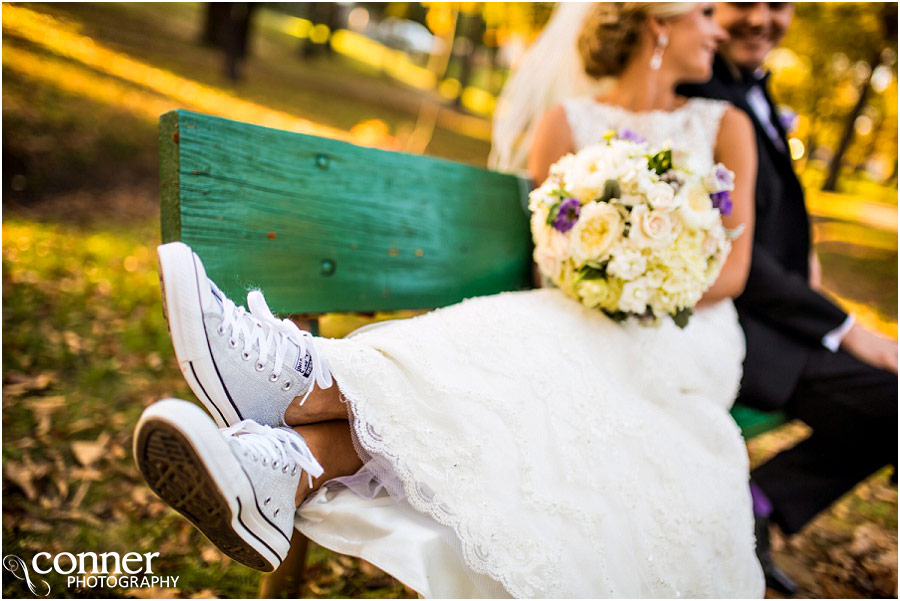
<point x="782" y="317"/>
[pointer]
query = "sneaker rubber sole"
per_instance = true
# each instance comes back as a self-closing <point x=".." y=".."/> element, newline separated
<point x="181" y="275"/>
<point x="187" y="463"/>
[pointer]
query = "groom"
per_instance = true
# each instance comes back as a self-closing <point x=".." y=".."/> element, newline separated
<point x="805" y="355"/>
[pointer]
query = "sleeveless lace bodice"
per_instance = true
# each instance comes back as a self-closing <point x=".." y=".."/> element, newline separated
<point x="692" y="127"/>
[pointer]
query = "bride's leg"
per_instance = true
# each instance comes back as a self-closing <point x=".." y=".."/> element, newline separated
<point x="320" y="406"/>
<point x="331" y="444"/>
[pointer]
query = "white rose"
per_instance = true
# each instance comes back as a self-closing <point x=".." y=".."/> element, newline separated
<point x="717" y="245"/>
<point x="627" y="262"/>
<point x="696" y="210"/>
<point x="653" y="229"/>
<point x="598" y="227"/>
<point x="634" y="296"/>
<point x="636" y="177"/>
<point x="662" y="197"/>
<point x="539" y="228"/>
<point x="715" y="240"/>
<point x="551" y="253"/>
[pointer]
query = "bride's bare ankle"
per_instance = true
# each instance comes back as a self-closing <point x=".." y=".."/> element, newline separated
<point x="321" y="405"/>
<point x="332" y="446"/>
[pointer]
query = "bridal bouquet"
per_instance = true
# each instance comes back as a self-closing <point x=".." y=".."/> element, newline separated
<point x="631" y="230"/>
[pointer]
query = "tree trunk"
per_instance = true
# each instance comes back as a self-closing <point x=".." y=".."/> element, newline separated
<point x="834" y="165"/>
<point x="871" y="147"/>
<point x="227" y="26"/>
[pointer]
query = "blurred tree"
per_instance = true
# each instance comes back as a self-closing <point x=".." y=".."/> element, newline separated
<point x="227" y="26"/>
<point x="320" y="13"/>
<point x="823" y="81"/>
<point x="878" y="48"/>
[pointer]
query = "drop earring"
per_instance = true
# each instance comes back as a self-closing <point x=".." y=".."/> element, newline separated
<point x="656" y="60"/>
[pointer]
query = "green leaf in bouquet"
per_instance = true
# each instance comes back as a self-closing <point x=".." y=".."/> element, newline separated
<point x="617" y="316"/>
<point x="611" y="189"/>
<point x="592" y="272"/>
<point x="554" y="212"/>
<point x="661" y="161"/>
<point x="682" y="316"/>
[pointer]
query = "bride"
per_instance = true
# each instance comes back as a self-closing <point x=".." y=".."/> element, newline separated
<point x="534" y="447"/>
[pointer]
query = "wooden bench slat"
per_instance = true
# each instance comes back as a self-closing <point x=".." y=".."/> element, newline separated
<point x="326" y="226"/>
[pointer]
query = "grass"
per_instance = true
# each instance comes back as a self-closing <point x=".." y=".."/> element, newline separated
<point x="85" y="346"/>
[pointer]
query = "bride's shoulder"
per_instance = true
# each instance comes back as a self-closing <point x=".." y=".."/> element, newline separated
<point x="553" y="138"/>
<point x="734" y="123"/>
<point x="735" y="135"/>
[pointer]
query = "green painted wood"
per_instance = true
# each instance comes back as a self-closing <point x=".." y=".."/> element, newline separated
<point x="170" y="214"/>
<point x="326" y="226"/>
<point x="753" y="422"/>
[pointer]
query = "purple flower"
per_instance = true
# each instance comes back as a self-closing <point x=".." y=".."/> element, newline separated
<point x="631" y="136"/>
<point x="724" y="176"/>
<point x="569" y="210"/>
<point x="722" y="201"/>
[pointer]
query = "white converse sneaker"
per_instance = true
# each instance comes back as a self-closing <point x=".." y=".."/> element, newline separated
<point x="236" y="485"/>
<point x="240" y="365"/>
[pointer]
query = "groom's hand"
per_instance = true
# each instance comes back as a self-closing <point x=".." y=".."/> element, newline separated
<point x="871" y="348"/>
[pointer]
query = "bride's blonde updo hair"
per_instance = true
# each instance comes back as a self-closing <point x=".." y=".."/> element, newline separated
<point x="612" y="31"/>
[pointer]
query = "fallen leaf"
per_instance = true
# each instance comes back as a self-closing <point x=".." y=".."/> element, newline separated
<point x="87" y="473"/>
<point x="19" y="384"/>
<point x="79" y="495"/>
<point x="865" y="538"/>
<point x="36" y="526"/>
<point x="206" y="593"/>
<point x="25" y="475"/>
<point x="87" y="452"/>
<point x="46" y="404"/>
<point x="79" y="516"/>
<point x="210" y="554"/>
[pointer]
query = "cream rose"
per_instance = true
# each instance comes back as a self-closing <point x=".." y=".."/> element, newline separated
<point x="696" y="210"/>
<point x="651" y="229"/>
<point x="594" y="293"/>
<point x="551" y="252"/>
<point x="597" y="229"/>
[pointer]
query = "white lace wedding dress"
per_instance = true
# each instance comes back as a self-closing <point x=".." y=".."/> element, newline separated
<point x="535" y="448"/>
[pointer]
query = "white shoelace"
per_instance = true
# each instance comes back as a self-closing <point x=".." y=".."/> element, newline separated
<point x="262" y="328"/>
<point x="276" y="445"/>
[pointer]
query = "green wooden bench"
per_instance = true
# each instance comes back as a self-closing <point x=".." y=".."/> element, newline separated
<point x="324" y="226"/>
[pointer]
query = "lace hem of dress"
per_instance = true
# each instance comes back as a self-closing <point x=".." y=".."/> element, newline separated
<point x="384" y="469"/>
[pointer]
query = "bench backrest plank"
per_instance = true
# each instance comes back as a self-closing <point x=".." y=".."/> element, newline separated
<point x="326" y="226"/>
